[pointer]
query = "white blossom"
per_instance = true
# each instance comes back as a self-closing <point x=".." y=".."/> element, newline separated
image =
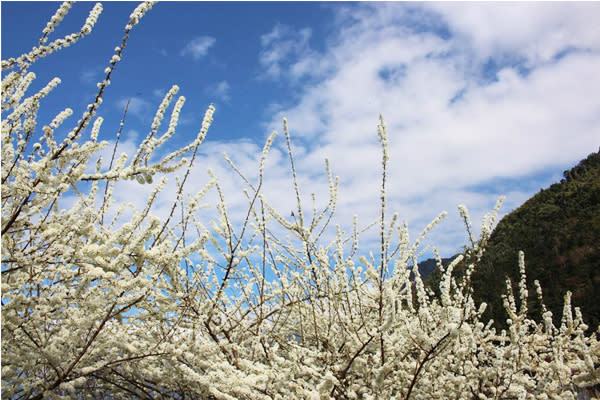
<point x="109" y="300"/>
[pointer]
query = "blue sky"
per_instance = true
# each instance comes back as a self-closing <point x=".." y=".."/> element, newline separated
<point x="480" y="99"/>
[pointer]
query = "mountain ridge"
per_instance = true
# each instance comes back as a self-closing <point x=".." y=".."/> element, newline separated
<point x="558" y="229"/>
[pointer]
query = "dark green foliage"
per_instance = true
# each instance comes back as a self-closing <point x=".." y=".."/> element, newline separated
<point x="559" y="231"/>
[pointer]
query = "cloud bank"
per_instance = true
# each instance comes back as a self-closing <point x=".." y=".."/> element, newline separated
<point x="480" y="100"/>
<point x="472" y="94"/>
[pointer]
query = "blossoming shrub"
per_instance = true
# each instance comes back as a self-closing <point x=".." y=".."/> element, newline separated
<point x="96" y="305"/>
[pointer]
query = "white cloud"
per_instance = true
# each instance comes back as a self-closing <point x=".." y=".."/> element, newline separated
<point x="220" y="90"/>
<point x="453" y="135"/>
<point x="286" y="52"/>
<point x="198" y="47"/>
<point x="138" y="107"/>
<point x="132" y="135"/>
<point x="90" y="75"/>
<point x="536" y="32"/>
<point x="450" y="130"/>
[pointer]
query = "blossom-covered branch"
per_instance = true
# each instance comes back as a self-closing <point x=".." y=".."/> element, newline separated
<point x="97" y="302"/>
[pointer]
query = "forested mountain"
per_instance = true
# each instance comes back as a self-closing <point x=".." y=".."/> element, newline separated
<point x="559" y="231"/>
<point x="429" y="267"/>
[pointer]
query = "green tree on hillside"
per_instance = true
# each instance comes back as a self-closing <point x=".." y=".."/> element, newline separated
<point x="559" y="231"/>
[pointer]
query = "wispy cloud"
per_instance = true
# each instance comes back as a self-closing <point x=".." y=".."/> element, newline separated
<point x="132" y="135"/>
<point x="91" y="75"/>
<point x="138" y="107"/>
<point x="453" y="135"/>
<point x="450" y="130"/>
<point x="159" y="93"/>
<point x="220" y="90"/>
<point x="286" y="52"/>
<point x="198" y="47"/>
<point x="536" y="33"/>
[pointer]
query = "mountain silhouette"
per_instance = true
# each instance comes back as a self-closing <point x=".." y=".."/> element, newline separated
<point x="558" y="229"/>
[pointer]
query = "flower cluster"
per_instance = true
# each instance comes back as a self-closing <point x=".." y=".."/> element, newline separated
<point x="44" y="50"/>
<point x="100" y="303"/>
<point x="56" y="19"/>
<point x="138" y="13"/>
<point x="91" y="19"/>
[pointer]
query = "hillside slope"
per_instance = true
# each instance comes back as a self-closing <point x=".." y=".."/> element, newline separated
<point x="559" y="231"/>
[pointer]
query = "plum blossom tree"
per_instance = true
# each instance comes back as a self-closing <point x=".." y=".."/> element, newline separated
<point x="98" y="304"/>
